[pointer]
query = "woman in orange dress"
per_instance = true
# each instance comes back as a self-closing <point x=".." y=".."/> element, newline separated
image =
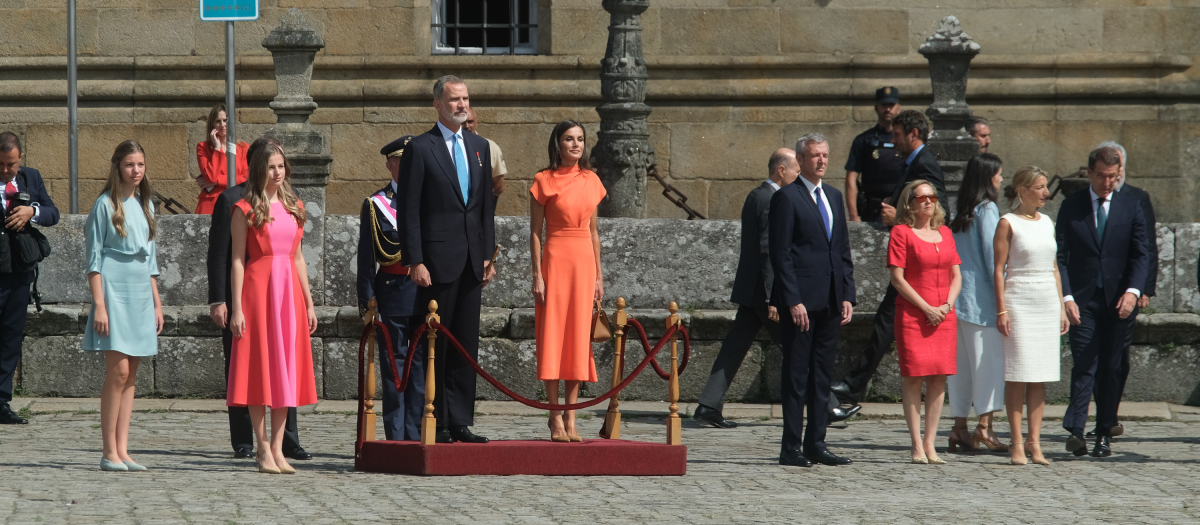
<point x="210" y="155"/>
<point x="566" y="273"/>
<point x="272" y="314"/>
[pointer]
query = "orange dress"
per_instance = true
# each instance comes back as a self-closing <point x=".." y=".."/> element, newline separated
<point x="272" y="364"/>
<point x="564" y="321"/>
<point x="212" y="170"/>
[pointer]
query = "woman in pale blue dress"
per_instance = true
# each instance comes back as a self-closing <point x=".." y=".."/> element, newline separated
<point x="126" y="316"/>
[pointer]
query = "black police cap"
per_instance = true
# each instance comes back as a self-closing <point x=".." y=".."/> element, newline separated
<point x="396" y="147"/>
<point x="887" y="95"/>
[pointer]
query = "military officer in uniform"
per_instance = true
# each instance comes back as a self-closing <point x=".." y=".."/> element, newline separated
<point x="396" y="297"/>
<point x="875" y="166"/>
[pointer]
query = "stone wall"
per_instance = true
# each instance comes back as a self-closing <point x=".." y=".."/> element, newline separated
<point x="649" y="262"/>
<point x="730" y="81"/>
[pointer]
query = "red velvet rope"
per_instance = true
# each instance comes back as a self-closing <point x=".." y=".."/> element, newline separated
<point x="400" y="382"/>
<point x="687" y="345"/>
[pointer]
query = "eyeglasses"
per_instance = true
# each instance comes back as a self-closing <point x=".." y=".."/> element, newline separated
<point x="925" y="198"/>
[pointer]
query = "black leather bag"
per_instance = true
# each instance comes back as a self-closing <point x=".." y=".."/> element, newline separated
<point x="28" y="247"/>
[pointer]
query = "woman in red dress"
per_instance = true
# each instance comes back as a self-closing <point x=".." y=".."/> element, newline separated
<point x="924" y="266"/>
<point x="272" y="313"/>
<point x="210" y="155"/>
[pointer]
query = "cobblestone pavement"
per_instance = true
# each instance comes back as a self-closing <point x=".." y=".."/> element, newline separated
<point x="49" y="474"/>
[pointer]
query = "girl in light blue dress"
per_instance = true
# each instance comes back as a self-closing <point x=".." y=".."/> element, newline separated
<point x="126" y="316"/>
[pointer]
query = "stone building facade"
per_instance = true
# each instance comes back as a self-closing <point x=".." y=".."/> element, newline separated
<point x="730" y="80"/>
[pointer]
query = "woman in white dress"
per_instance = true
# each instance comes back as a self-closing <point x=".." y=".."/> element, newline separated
<point x="1028" y="294"/>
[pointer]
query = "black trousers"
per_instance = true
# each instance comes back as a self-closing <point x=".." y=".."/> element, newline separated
<point x="241" y="431"/>
<point x="881" y="343"/>
<point x="14" y="305"/>
<point x="458" y="306"/>
<point x="808" y="359"/>
<point x="402" y="411"/>
<point x="1100" y="355"/>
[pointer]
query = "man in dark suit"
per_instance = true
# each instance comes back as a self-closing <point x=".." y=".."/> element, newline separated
<point x="910" y="130"/>
<point x="220" y="288"/>
<point x="447" y="236"/>
<point x="751" y="292"/>
<point x="24" y="200"/>
<point x="1104" y="259"/>
<point x="813" y="290"/>
<point x="396" y="299"/>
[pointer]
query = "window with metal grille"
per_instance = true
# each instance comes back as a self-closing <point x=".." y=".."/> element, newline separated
<point x="487" y="27"/>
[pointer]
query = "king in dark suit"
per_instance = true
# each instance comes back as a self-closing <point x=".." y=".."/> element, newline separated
<point x="220" y="264"/>
<point x="25" y="201"/>
<point x="447" y="236"/>
<point x="395" y="296"/>
<point x="1104" y="259"/>
<point x="813" y="290"/>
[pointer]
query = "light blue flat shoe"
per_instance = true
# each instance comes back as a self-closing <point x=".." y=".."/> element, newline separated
<point x="134" y="467"/>
<point x="111" y="466"/>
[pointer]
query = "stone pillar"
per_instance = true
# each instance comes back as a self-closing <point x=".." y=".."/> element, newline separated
<point x="294" y="45"/>
<point x="623" y="152"/>
<point x="949" y="51"/>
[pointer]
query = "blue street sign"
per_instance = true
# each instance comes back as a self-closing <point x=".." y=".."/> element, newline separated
<point x="228" y="10"/>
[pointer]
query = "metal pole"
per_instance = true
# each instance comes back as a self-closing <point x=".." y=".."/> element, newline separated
<point x="72" y="110"/>
<point x="230" y="111"/>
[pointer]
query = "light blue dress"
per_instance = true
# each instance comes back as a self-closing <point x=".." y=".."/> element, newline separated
<point x="125" y="265"/>
<point x="976" y="302"/>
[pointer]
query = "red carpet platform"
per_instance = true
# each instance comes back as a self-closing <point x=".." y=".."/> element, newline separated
<point x="593" y="457"/>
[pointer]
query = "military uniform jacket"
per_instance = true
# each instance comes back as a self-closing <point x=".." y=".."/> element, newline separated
<point x="379" y="243"/>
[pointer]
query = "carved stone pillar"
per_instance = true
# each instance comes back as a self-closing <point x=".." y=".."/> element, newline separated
<point x="623" y="152"/>
<point x="294" y="45"/>
<point x="949" y="51"/>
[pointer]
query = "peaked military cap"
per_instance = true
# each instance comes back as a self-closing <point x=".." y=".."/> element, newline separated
<point x="887" y="95"/>
<point x="396" y="147"/>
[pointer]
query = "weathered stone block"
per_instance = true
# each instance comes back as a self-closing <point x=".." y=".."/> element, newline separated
<point x="579" y="31"/>
<point x="135" y="32"/>
<point x="723" y="203"/>
<point x="1019" y="31"/>
<point x="1187" y="251"/>
<point x="327" y="322"/>
<point x="826" y="30"/>
<point x="360" y="31"/>
<point x="692" y="31"/>
<point x="1133" y="30"/>
<point x="513" y="363"/>
<point x="724" y="151"/>
<point x="182" y="259"/>
<point x="49" y="38"/>
<point x="313" y="244"/>
<point x="1177" y="329"/>
<point x="62" y="278"/>
<point x="190" y="366"/>
<point x="58" y="366"/>
<point x="1164" y="298"/>
<point x="521" y="324"/>
<point x="493" y="322"/>
<point x="341" y="260"/>
<point x="1163" y="373"/>
<point x="57" y="320"/>
<point x="190" y="321"/>
<point x="340" y="369"/>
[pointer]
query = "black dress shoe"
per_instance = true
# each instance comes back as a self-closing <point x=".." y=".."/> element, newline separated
<point x="1103" y="447"/>
<point x="1076" y="444"/>
<point x="243" y="453"/>
<point x="297" y="453"/>
<point x="443" y="436"/>
<point x="464" y="434"/>
<point x="712" y="417"/>
<point x="1114" y="432"/>
<point x="8" y="417"/>
<point x="843" y="393"/>
<point x="839" y="414"/>
<point x="826" y="457"/>
<point x="794" y="458"/>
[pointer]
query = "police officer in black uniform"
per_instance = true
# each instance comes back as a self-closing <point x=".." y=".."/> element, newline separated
<point x="875" y="166"/>
<point x="383" y="276"/>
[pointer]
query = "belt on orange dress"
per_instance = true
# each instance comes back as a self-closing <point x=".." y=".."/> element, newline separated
<point x="394" y="269"/>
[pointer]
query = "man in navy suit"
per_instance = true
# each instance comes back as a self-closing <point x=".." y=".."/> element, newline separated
<point x="447" y="236"/>
<point x="1104" y="259"/>
<point x="24" y="200"/>
<point x="396" y="299"/>
<point x="814" y="293"/>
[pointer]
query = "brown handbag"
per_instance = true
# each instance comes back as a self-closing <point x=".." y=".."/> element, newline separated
<point x="601" y="328"/>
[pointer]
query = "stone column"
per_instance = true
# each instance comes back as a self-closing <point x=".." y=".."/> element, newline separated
<point x="949" y="51"/>
<point x="623" y="152"/>
<point x="294" y="45"/>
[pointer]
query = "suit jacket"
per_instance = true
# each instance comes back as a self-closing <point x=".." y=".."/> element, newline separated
<point x="1123" y="254"/>
<point x="220" y="246"/>
<point x="437" y="228"/>
<point x="752" y="285"/>
<point x="924" y="166"/>
<point x="806" y="263"/>
<point x="47" y="214"/>
<point x="395" y="295"/>
<point x="1151" y="235"/>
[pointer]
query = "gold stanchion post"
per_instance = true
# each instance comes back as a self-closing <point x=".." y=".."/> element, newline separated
<point x="674" y="424"/>
<point x="429" y="422"/>
<point x="612" y="419"/>
<point x="368" y="400"/>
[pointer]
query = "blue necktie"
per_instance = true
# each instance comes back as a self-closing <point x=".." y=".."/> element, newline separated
<point x="824" y="216"/>
<point x="460" y="162"/>
<point x="1101" y="220"/>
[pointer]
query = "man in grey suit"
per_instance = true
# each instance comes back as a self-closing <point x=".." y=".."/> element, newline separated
<point x="751" y="289"/>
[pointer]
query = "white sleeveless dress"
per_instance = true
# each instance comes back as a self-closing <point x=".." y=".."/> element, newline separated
<point x="1032" y="349"/>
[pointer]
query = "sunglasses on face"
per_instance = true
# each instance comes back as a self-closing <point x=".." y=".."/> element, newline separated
<point x="925" y="198"/>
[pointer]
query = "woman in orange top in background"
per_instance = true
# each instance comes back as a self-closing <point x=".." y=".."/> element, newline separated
<point x="566" y="273"/>
<point x="210" y="155"/>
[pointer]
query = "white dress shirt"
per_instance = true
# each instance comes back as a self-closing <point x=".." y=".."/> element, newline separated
<point x="812" y="192"/>
<point x="447" y="136"/>
<point x="773" y="185"/>
<point x="1096" y="217"/>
